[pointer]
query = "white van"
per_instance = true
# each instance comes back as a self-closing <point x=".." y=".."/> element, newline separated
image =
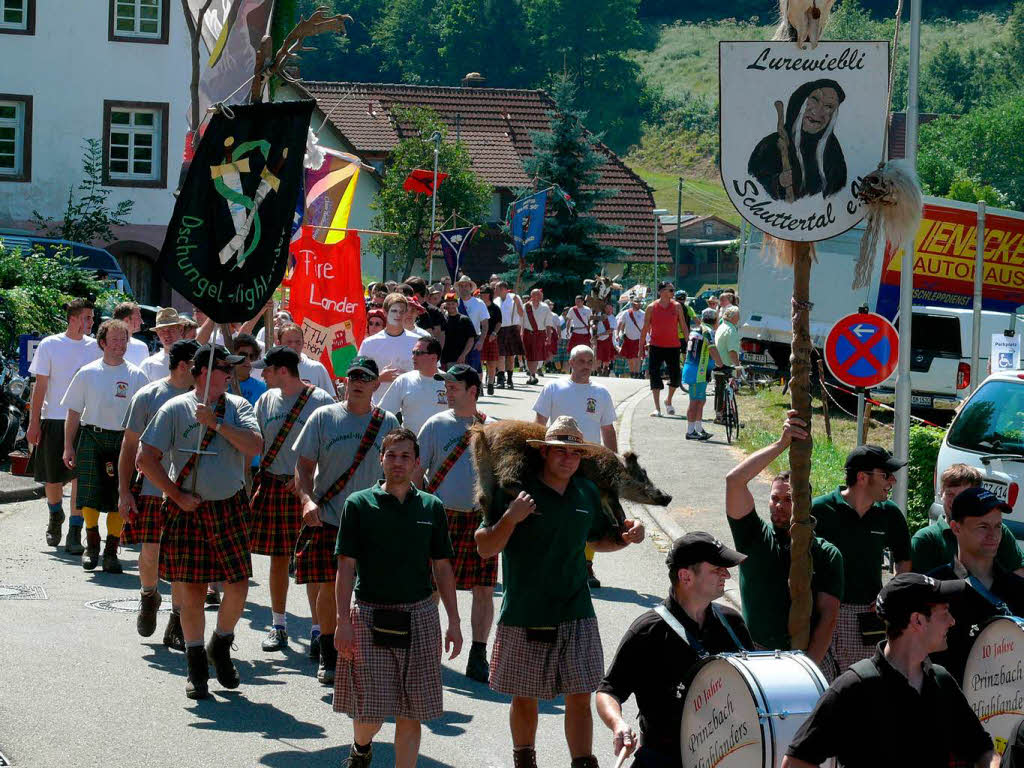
<point x="988" y="433"/>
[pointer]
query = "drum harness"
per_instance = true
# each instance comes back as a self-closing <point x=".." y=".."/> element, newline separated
<point x="691" y="640"/>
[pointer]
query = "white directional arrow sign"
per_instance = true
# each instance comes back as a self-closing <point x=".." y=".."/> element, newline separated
<point x="860" y="330"/>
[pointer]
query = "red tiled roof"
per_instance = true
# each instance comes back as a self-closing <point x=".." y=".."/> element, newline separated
<point x="496" y="126"/>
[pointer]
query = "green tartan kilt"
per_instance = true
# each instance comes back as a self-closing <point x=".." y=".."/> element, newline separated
<point x="562" y="355"/>
<point x="620" y="366"/>
<point x="96" y="455"/>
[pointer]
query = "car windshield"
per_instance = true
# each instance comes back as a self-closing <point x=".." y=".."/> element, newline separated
<point x="992" y="421"/>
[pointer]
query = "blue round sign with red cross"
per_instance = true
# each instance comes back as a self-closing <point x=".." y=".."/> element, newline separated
<point x="862" y="350"/>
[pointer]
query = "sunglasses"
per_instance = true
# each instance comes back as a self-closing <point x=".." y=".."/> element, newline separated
<point x="885" y="475"/>
<point x="418" y="352"/>
<point x="224" y="368"/>
<point x="360" y="376"/>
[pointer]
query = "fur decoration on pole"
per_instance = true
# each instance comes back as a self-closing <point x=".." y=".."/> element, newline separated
<point x="802" y="21"/>
<point x="895" y="206"/>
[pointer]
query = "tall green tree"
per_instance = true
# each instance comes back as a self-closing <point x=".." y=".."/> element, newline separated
<point x="409" y="214"/>
<point x="566" y="157"/>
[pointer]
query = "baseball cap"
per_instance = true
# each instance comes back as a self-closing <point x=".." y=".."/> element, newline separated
<point x="701" y="547"/>
<point x="865" y="458"/>
<point x="907" y="593"/>
<point x="183" y="350"/>
<point x="220" y="355"/>
<point x="364" y="365"/>
<point x="278" y="356"/>
<point x="460" y="372"/>
<point x="976" y="502"/>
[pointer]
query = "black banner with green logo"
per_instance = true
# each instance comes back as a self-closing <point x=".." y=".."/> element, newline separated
<point x="226" y="247"/>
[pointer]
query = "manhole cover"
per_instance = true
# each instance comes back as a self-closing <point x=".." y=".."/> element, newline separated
<point x="21" y="592"/>
<point x="4" y="760"/>
<point x="123" y="605"/>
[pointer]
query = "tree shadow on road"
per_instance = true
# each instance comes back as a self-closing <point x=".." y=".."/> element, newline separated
<point x="231" y="712"/>
<point x="383" y="754"/>
<point x="620" y="595"/>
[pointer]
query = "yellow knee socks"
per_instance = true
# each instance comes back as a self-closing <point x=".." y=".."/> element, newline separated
<point x="115" y="523"/>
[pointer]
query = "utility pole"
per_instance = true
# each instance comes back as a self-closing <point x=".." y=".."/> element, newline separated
<point x="679" y="222"/>
<point x="436" y="138"/>
<point x="658" y="212"/>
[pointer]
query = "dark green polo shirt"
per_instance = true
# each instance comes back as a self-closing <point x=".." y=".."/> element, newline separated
<point x="393" y="543"/>
<point x="861" y="541"/>
<point x="935" y="545"/>
<point x="764" y="577"/>
<point x="543" y="566"/>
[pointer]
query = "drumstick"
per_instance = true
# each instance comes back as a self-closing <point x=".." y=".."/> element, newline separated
<point x="784" y="147"/>
<point x="622" y="756"/>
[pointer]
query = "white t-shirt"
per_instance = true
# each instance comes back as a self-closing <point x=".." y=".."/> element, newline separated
<point x="101" y="393"/>
<point x="423" y="333"/>
<point x="604" y="329"/>
<point x="314" y="372"/>
<point x="510" y="314"/>
<point x="631" y="327"/>
<point x="590" y="404"/>
<point x="542" y="314"/>
<point x="59" y="357"/>
<point x="156" y="366"/>
<point x="137" y="352"/>
<point x="476" y="310"/>
<point x="579" y="323"/>
<point x="416" y="396"/>
<point x="389" y="351"/>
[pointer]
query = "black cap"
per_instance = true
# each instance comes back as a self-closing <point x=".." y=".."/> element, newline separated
<point x="976" y="502"/>
<point x="182" y="351"/>
<point x="865" y="458"/>
<point x="220" y="355"/>
<point x="700" y="547"/>
<point x="460" y="372"/>
<point x="278" y="356"/>
<point x="365" y="365"/>
<point x="907" y="593"/>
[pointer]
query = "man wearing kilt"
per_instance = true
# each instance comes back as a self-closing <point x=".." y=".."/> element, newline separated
<point x="578" y="320"/>
<point x="97" y="401"/>
<point x="276" y="516"/>
<point x="537" y="321"/>
<point x="140" y="501"/>
<point x="205" y="537"/>
<point x="554" y="333"/>
<point x="338" y="453"/>
<point x="390" y="539"/>
<point x="630" y="321"/>
<point x="451" y="476"/>
<point x="489" y="350"/>
<point x="604" y="330"/>
<point x="547" y="642"/>
<point x="510" y="335"/>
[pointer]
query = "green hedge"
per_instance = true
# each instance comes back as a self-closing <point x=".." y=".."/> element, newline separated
<point x="924" y="452"/>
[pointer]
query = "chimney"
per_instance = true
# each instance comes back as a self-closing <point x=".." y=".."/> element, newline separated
<point x="473" y="80"/>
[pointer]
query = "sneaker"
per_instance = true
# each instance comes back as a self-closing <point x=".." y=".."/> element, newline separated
<point x="705" y="435"/>
<point x="359" y="759"/>
<point x="53" y="528"/>
<point x="592" y="581"/>
<point x="218" y="651"/>
<point x="212" y="597"/>
<point x="655" y="414"/>
<point x="477" y="667"/>
<point x="174" y="638"/>
<point x="145" y="622"/>
<point x="670" y="409"/>
<point x="719" y="420"/>
<point x="73" y="542"/>
<point x="693" y="436"/>
<point x="314" y="647"/>
<point x="276" y="640"/>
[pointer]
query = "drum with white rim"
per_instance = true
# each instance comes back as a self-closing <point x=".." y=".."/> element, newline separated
<point x="994" y="677"/>
<point x="742" y="710"/>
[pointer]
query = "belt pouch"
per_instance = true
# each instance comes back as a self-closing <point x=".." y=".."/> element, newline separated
<point x="391" y="628"/>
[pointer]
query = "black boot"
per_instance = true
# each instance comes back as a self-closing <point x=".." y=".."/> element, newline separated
<point x="173" y="636"/>
<point x="110" y="562"/>
<point x="501" y="379"/>
<point x="53" y="528"/>
<point x="197" y="685"/>
<point x="149" y="604"/>
<point x="524" y="757"/>
<point x="490" y="387"/>
<point x="476" y="667"/>
<point x="359" y="759"/>
<point x="91" y="556"/>
<point x="584" y="762"/>
<point x="218" y="650"/>
<point x="73" y="543"/>
<point x="328" y="660"/>
<point x="508" y="381"/>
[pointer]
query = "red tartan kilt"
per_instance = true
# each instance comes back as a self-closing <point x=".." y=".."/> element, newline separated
<point x="552" y="343"/>
<point x="535" y="343"/>
<point x="489" y="351"/>
<point x="148" y="524"/>
<point x="275" y="517"/>
<point x="471" y="570"/>
<point x="578" y="338"/>
<point x="315" y="561"/>
<point x="605" y="350"/>
<point x="207" y="545"/>
<point x="630" y="349"/>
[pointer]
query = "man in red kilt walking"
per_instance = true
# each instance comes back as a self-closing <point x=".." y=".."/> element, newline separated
<point x="205" y="537"/>
<point x="604" y="329"/>
<point x="276" y="516"/>
<point x="141" y="503"/>
<point x="338" y="453"/>
<point x="538" y="320"/>
<point x="451" y="476"/>
<point x="578" y="319"/>
<point x="390" y="539"/>
<point x="547" y="642"/>
<point x="630" y="322"/>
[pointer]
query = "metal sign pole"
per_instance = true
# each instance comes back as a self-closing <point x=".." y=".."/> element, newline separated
<point x="979" y="278"/>
<point x="436" y="138"/>
<point x="860" y="416"/>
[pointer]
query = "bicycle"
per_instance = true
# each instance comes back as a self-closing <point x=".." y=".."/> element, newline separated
<point x="730" y="409"/>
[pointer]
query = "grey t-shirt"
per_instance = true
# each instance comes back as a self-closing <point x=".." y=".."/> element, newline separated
<point x="175" y="428"/>
<point x="271" y="409"/>
<point x="331" y="438"/>
<point x="141" y="410"/>
<point x="438" y="439"/>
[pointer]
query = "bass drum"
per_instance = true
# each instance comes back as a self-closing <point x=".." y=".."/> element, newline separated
<point x="743" y="709"/>
<point x="994" y="677"/>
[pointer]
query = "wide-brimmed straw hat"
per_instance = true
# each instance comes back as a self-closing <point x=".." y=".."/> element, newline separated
<point x="564" y="432"/>
<point x="167" y="317"/>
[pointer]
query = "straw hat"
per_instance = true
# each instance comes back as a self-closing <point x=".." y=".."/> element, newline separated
<point x="564" y="432"/>
<point x="167" y="317"/>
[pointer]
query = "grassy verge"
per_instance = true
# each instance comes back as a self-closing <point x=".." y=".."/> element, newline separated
<point x="702" y="196"/>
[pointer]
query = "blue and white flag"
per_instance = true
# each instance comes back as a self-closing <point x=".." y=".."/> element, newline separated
<point x="527" y="224"/>
<point x="453" y="245"/>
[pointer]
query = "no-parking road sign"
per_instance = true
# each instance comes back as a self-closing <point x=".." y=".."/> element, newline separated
<point x="862" y="350"/>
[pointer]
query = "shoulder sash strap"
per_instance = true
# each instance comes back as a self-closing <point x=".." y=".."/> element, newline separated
<point x="865" y="669"/>
<point x="576" y="311"/>
<point x="691" y="640"/>
<point x="376" y="419"/>
<point x="190" y="465"/>
<point x="728" y="627"/>
<point x="529" y="314"/>
<point x="286" y="428"/>
<point x="985" y="592"/>
<point x="632" y="316"/>
<point x="450" y="461"/>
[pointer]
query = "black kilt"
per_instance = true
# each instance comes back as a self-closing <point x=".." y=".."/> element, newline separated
<point x="47" y="461"/>
<point x="207" y="545"/>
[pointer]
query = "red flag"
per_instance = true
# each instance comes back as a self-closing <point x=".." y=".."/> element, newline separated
<point x="326" y="299"/>
<point x="421" y="182"/>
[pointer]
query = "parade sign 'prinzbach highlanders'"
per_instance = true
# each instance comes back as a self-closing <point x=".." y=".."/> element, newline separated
<point x="798" y="128"/>
<point x="227" y="243"/>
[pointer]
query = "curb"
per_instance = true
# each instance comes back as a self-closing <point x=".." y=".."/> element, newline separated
<point x="10" y="496"/>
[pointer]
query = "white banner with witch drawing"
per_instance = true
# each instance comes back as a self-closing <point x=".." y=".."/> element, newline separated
<point x="798" y="128"/>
